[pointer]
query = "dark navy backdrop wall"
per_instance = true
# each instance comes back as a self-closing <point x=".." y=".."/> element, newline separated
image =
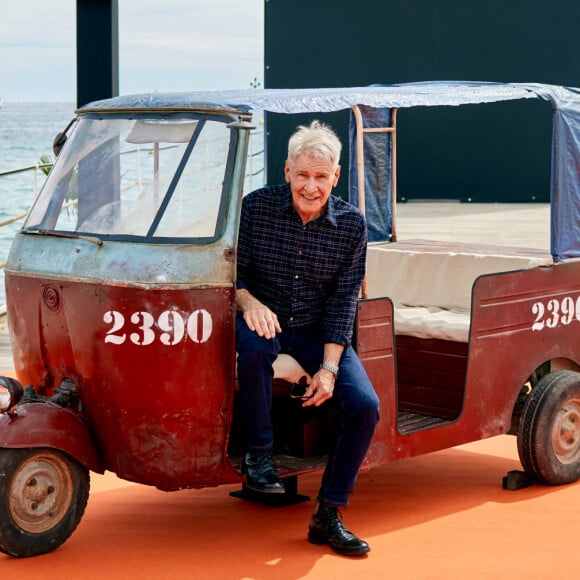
<point x="498" y="152"/>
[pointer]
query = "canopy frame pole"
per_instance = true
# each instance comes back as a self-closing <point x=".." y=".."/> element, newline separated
<point x="394" y="174"/>
<point x="360" y="162"/>
<point x="360" y="131"/>
<point x="360" y="157"/>
<point x="360" y="166"/>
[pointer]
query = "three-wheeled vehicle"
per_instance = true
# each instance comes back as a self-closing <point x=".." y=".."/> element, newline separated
<point x="120" y="290"/>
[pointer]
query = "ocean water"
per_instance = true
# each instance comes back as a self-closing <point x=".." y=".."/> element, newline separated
<point x="27" y="131"/>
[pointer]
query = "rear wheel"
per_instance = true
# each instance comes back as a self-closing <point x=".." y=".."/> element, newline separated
<point x="549" y="431"/>
<point x="43" y="495"/>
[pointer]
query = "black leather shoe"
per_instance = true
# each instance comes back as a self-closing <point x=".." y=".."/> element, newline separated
<point x="260" y="471"/>
<point x="326" y="527"/>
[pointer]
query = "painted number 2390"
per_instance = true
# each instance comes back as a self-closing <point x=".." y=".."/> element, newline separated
<point x="170" y="327"/>
<point x="556" y="312"/>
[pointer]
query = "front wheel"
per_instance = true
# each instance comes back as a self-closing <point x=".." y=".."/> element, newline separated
<point x="549" y="431"/>
<point x="43" y="495"/>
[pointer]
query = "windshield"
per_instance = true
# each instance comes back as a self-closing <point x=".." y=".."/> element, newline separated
<point x="146" y="177"/>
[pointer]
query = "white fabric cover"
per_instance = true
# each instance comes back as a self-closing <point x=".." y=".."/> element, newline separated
<point x="431" y="291"/>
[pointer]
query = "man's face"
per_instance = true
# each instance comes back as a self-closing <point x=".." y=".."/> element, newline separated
<point x="311" y="181"/>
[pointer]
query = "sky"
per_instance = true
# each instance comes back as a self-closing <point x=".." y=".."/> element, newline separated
<point x="164" y="45"/>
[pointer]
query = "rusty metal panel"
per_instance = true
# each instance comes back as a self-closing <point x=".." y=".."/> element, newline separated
<point x="374" y="341"/>
<point x="154" y="369"/>
<point x="42" y="425"/>
<point x="519" y="321"/>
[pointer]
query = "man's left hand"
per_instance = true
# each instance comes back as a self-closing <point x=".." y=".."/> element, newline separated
<point x="320" y="389"/>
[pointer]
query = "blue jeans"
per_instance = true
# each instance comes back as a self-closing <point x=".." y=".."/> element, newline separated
<point x="354" y="400"/>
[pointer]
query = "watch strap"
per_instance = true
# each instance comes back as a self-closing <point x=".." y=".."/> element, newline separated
<point x="329" y="367"/>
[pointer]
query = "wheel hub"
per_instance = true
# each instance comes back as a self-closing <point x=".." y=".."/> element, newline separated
<point x="41" y="493"/>
<point x="566" y="432"/>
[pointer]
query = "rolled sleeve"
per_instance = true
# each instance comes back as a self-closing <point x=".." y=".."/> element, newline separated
<point x="341" y="305"/>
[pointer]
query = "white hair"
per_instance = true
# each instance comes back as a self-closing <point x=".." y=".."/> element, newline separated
<point x="317" y="140"/>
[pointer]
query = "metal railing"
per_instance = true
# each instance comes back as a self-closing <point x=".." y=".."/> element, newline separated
<point x="35" y="168"/>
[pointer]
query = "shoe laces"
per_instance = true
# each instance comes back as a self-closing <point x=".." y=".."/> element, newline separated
<point x="263" y="460"/>
<point x="329" y="512"/>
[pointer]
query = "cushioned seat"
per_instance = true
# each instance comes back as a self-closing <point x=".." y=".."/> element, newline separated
<point x="432" y="322"/>
<point x="431" y="290"/>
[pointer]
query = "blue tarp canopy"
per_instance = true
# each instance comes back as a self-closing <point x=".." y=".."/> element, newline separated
<point x="375" y="104"/>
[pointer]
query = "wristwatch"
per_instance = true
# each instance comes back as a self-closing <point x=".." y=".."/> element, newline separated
<point x="329" y="367"/>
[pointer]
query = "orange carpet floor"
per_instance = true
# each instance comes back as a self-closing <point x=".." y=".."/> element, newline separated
<point x="441" y="516"/>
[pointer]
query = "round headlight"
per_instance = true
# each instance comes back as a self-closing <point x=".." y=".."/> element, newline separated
<point x="5" y="398"/>
<point x="11" y="392"/>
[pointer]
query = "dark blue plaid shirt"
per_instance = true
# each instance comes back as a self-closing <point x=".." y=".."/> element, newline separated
<point x="306" y="274"/>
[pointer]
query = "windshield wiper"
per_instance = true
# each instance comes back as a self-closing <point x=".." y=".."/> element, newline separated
<point x="92" y="239"/>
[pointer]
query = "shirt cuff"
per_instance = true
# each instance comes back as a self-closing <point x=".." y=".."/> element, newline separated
<point x="337" y="338"/>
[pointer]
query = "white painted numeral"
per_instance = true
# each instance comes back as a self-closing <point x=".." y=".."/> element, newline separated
<point x="118" y="321"/>
<point x="199" y="326"/>
<point x="567" y="310"/>
<point x="171" y="324"/>
<point x="146" y="336"/>
<point x="555" y="313"/>
<point x="554" y="308"/>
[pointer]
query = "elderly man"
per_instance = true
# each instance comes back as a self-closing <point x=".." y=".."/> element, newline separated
<point x="301" y="261"/>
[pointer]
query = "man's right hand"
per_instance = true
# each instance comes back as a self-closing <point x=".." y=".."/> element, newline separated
<point x="258" y="316"/>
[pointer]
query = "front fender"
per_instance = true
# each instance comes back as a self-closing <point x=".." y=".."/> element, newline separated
<point x="48" y="425"/>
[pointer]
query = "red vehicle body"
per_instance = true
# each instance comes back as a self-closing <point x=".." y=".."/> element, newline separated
<point x="121" y="312"/>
